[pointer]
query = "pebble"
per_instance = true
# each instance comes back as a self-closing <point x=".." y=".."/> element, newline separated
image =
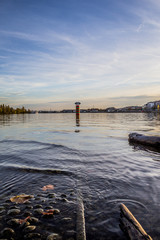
<point x="2" y="212"/>
<point x="29" y="228"/>
<point x="29" y="207"/>
<point x="38" y="206"/>
<point x="54" y="236"/>
<point x="32" y="236"/>
<point x="64" y="200"/>
<point x="13" y="222"/>
<point x="13" y="212"/>
<point x="14" y="207"/>
<point x="49" y="207"/>
<point x="51" y="195"/>
<point x="27" y="213"/>
<point x="2" y="208"/>
<point x="38" y="211"/>
<point x="70" y="233"/>
<point x="63" y="195"/>
<point x="25" y="224"/>
<point x="67" y="219"/>
<point x="33" y="220"/>
<point x="56" y="211"/>
<point x="8" y="232"/>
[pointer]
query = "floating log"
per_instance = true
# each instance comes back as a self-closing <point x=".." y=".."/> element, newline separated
<point x="130" y="226"/>
<point x="145" y="140"/>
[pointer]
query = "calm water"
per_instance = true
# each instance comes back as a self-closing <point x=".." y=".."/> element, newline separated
<point x="93" y="157"/>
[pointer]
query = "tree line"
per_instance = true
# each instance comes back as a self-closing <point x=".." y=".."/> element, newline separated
<point x="6" y="109"/>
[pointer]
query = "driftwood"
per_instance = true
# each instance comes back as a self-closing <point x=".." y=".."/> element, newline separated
<point x="130" y="226"/>
<point x="145" y="140"/>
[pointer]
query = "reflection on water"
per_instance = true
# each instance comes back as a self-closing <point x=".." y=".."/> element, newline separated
<point x="41" y="149"/>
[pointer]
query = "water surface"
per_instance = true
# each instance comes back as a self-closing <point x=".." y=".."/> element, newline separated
<point x="93" y="156"/>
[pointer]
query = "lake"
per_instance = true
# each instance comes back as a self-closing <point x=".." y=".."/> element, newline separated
<point x="91" y="156"/>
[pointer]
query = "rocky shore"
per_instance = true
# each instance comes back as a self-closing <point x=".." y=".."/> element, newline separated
<point x="46" y="216"/>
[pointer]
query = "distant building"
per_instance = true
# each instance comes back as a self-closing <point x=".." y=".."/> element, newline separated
<point x="110" y="109"/>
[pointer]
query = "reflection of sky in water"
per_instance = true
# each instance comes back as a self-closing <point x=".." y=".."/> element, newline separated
<point x="95" y="156"/>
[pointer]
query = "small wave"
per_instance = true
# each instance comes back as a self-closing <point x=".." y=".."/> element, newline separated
<point x="127" y="201"/>
<point x="37" y="170"/>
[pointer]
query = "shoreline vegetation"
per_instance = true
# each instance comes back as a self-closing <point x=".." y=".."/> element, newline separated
<point x="148" y="107"/>
<point x="6" y="109"/>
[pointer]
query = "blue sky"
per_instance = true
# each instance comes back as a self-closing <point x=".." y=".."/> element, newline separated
<point x="100" y="52"/>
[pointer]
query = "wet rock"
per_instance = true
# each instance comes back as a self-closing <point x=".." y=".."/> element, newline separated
<point x="33" y="220"/>
<point x="2" y="208"/>
<point x="13" y="212"/>
<point x="64" y="200"/>
<point x="38" y="211"/>
<point x="37" y="198"/>
<point x="63" y="195"/>
<point x="29" y="207"/>
<point x="27" y="213"/>
<point x="6" y="204"/>
<point x="67" y="219"/>
<point x="56" y="211"/>
<point x="25" y="224"/>
<point x="32" y="236"/>
<point x="38" y="206"/>
<point x="13" y="222"/>
<point x="70" y="233"/>
<point x="8" y="232"/>
<point x="51" y="195"/>
<point x="49" y="207"/>
<point x="2" y="212"/>
<point x="14" y="207"/>
<point x="54" y="236"/>
<point x="28" y="202"/>
<point x="29" y="228"/>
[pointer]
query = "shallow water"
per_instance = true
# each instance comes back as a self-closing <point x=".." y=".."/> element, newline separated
<point x="93" y="156"/>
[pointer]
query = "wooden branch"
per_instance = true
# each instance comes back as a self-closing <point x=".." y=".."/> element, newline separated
<point x="130" y="226"/>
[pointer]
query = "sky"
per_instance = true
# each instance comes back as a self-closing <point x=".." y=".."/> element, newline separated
<point x="103" y="53"/>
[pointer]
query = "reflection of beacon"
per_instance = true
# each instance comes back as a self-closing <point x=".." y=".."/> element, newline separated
<point x="77" y="109"/>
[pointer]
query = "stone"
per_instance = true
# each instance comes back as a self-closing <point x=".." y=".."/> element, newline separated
<point x="29" y="228"/>
<point x="49" y="207"/>
<point x="51" y="195"/>
<point x="2" y="208"/>
<point x="38" y="206"/>
<point x="38" y="211"/>
<point x="2" y="212"/>
<point x="13" y="222"/>
<point x="29" y="207"/>
<point x="54" y="236"/>
<point x="67" y="219"/>
<point x="70" y="233"/>
<point x="33" y="220"/>
<point x="32" y="236"/>
<point x="56" y="211"/>
<point x="25" y="224"/>
<point x="63" y="195"/>
<point x="13" y="212"/>
<point x="7" y="232"/>
<point x="27" y="213"/>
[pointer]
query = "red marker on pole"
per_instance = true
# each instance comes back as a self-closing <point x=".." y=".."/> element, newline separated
<point x="77" y="108"/>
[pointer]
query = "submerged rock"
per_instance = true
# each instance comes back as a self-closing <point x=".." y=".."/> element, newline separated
<point x="13" y="212"/>
<point x="13" y="222"/>
<point x="8" y="232"/>
<point x="29" y="228"/>
<point x="54" y="236"/>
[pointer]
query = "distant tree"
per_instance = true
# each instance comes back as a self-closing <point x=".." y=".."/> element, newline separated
<point x="6" y="109"/>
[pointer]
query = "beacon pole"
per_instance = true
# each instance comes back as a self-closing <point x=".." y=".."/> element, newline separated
<point x="77" y="113"/>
